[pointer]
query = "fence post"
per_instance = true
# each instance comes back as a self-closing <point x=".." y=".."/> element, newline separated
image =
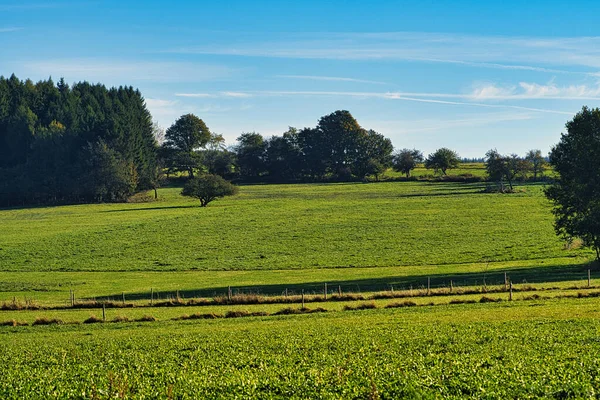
<point x="302" y="298"/>
<point x="451" y="286"/>
<point x="589" y="278"/>
<point x="151" y="296"/>
<point x="178" y="298"/>
<point x="103" y="312"/>
<point x="339" y="290"/>
<point x="325" y="291"/>
<point x="123" y="298"/>
<point x="510" y="295"/>
<point x="229" y="293"/>
<point x="428" y="286"/>
<point x="286" y="292"/>
<point x="505" y="282"/>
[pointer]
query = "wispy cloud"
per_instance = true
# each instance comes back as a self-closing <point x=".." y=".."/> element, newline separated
<point x="524" y="53"/>
<point x="433" y="98"/>
<point x="124" y="71"/>
<point x="432" y="125"/>
<point x="10" y="29"/>
<point x="330" y="78"/>
<point x="529" y="91"/>
<point x="216" y="94"/>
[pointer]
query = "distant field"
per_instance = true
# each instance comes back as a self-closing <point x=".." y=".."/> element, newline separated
<point x="531" y="349"/>
<point x="363" y="237"/>
<point x="271" y="227"/>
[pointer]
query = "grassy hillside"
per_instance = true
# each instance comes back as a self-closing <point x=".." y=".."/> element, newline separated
<point x="271" y="227"/>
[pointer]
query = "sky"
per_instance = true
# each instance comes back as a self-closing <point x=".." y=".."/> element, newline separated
<point x="468" y="75"/>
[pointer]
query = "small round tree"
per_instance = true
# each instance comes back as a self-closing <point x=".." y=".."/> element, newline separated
<point x="207" y="188"/>
<point x="443" y="159"/>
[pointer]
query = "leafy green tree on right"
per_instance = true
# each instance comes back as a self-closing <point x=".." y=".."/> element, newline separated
<point x="576" y="191"/>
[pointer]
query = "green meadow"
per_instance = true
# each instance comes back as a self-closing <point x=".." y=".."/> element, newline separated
<point x="363" y="236"/>
<point x="380" y="244"/>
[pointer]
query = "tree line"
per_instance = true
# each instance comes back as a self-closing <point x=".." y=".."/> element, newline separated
<point x="62" y="144"/>
<point x="88" y="143"/>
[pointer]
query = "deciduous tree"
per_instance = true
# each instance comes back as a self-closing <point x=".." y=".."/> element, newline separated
<point x="207" y="188"/>
<point x="576" y="191"/>
<point x="442" y="160"/>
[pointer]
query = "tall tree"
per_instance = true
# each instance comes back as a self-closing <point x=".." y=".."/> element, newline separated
<point x="250" y="152"/>
<point x="372" y="154"/>
<point x="576" y="192"/>
<point x="187" y="134"/>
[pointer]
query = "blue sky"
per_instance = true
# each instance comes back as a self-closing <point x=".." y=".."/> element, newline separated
<point x="462" y="74"/>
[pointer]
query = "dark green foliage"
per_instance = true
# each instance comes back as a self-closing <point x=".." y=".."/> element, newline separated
<point x="442" y="160"/>
<point x="250" y="153"/>
<point x="207" y="188"/>
<point x="502" y="168"/>
<point x="60" y="144"/>
<point x="406" y="160"/>
<point x="218" y="162"/>
<point x="186" y="135"/>
<point x="337" y="148"/>
<point x="576" y="192"/>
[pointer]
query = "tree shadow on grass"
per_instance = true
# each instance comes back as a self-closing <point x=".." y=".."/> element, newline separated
<point x="541" y="274"/>
<point x="152" y="208"/>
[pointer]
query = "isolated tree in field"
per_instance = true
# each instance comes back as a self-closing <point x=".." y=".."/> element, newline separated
<point x="576" y="192"/>
<point x="442" y="160"/>
<point x="536" y="163"/>
<point x="187" y="134"/>
<point x="406" y="160"/>
<point x="207" y="188"/>
<point x="504" y="168"/>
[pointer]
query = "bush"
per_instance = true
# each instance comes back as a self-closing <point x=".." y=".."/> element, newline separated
<point x="208" y="188"/>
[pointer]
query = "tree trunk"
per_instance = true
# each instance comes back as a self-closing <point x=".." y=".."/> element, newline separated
<point x="155" y="194"/>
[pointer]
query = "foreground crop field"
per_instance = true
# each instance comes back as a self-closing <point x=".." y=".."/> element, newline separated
<point x="505" y="350"/>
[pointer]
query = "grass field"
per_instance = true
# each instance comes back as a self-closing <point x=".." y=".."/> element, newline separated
<point x="271" y="237"/>
<point x="380" y="243"/>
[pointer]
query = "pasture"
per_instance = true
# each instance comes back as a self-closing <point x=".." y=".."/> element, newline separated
<point x="381" y="244"/>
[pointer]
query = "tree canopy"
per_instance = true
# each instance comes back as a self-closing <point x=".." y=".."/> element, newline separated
<point x="576" y="192"/>
<point x="442" y="160"/>
<point x="406" y="160"/>
<point x="71" y="144"/>
<point x="187" y="134"/>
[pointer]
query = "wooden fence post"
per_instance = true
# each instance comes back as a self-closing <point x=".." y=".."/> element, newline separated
<point x="451" y="286"/>
<point x="589" y="278"/>
<point x="505" y="282"/>
<point x="229" y="293"/>
<point x="302" y="298"/>
<point x="340" y="290"/>
<point x="123" y="298"/>
<point x="325" y="291"/>
<point x="428" y="286"/>
<point x="510" y="295"/>
<point x="103" y="312"/>
<point x="151" y="296"/>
